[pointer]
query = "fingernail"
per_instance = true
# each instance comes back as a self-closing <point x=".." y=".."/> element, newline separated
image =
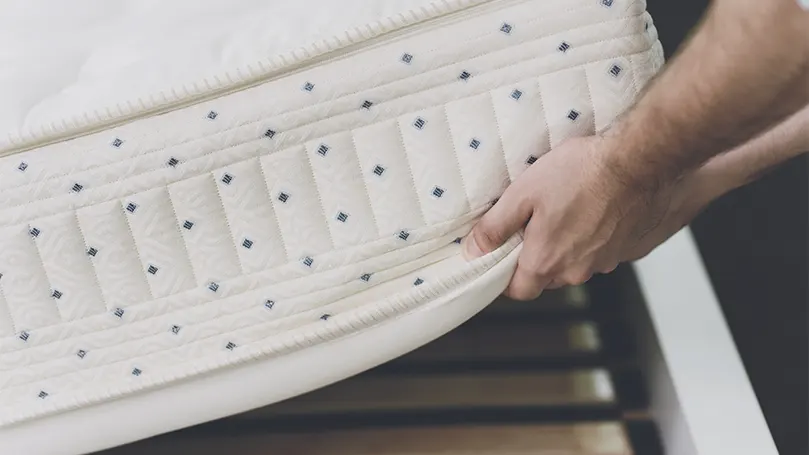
<point x="471" y="250"/>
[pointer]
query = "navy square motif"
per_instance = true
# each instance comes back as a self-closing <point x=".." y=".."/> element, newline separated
<point x="325" y="317"/>
<point x="464" y="75"/>
<point x="418" y="282"/>
<point x="34" y="232"/>
<point x="81" y="353"/>
<point x="119" y="312"/>
<point x="438" y="191"/>
<point x="269" y="133"/>
<point x="308" y="86"/>
<point x="573" y="114"/>
<point x="213" y="287"/>
<point x="175" y="329"/>
<point x="247" y="243"/>
<point x="188" y="225"/>
<point x="379" y="170"/>
<point x="366" y="277"/>
<point x="152" y="270"/>
<point x="367" y="104"/>
<point x="474" y="143"/>
<point x="506" y="28"/>
<point x="23" y="166"/>
<point x="57" y="294"/>
<point x="419" y="123"/>
<point x="212" y="115"/>
<point x="230" y="346"/>
<point x="404" y="235"/>
<point x="607" y="3"/>
<point x="516" y="94"/>
<point x="323" y="150"/>
<point x="615" y="70"/>
<point x="283" y="197"/>
<point x="269" y="304"/>
<point x="342" y="217"/>
<point x="531" y="160"/>
<point x="227" y="179"/>
<point x="131" y="207"/>
<point x="43" y="394"/>
<point x="92" y="251"/>
<point x="308" y="261"/>
<point x="407" y="58"/>
<point x="136" y="372"/>
<point x="117" y="143"/>
<point x="173" y="162"/>
<point x="563" y="47"/>
<point x="24" y="336"/>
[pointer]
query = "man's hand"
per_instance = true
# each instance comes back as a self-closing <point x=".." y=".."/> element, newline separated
<point x="579" y="216"/>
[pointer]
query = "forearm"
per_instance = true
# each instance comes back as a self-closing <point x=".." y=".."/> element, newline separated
<point x="745" y="69"/>
<point x="749" y="161"/>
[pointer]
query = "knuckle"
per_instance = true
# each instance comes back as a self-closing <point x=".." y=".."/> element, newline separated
<point x="577" y="276"/>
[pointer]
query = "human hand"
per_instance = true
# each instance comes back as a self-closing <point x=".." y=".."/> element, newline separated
<point x="580" y="215"/>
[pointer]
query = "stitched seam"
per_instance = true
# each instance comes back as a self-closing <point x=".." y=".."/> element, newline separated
<point x="416" y="193"/>
<point x="312" y="106"/>
<point x="8" y="309"/>
<point x="365" y="184"/>
<point x="92" y="263"/>
<point x="309" y="124"/>
<point x="231" y="232"/>
<point x="319" y="197"/>
<point x="544" y="113"/>
<point x="455" y="154"/>
<point x="180" y="309"/>
<point x="589" y="96"/>
<point x="500" y="135"/>
<point x="201" y="339"/>
<point x="176" y="223"/>
<point x="266" y="187"/>
<point x="137" y="251"/>
<point x="282" y="57"/>
<point x="358" y="319"/>
<point x="47" y="277"/>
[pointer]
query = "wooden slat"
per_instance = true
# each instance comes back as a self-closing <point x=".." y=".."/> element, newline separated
<point x="575" y="439"/>
<point x="516" y="340"/>
<point x="571" y="298"/>
<point x="425" y="392"/>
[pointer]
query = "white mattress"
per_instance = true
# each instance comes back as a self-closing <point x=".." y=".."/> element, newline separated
<point x="62" y="59"/>
<point x="171" y="231"/>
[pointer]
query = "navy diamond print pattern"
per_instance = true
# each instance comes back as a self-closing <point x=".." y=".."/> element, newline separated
<point x="345" y="174"/>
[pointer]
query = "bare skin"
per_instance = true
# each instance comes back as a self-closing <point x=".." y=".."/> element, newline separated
<point x="594" y="202"/>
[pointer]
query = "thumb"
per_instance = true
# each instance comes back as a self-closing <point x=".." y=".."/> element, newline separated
<point x="510" y="214"/>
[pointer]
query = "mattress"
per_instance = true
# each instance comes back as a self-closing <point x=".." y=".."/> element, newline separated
<point x="223" y="244"/>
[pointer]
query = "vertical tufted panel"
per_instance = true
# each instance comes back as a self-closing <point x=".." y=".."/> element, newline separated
<point x="387" y="175"/>
<point x="429" y="149"/>
<point x="523" y="129"/>
<point x="296" y="203"/>
<point x="251" y="218"/>
<point x="69" y="269"/>
<point x="476" y="138"/>
<point x="342" y="190"/>
<point x="201" y="218"/>
<point x="25" y="285"/>
<point x="113" y="254"/>
<point x="158" y="240"/>
<point x="612" y="88"/>
<point x="6" y="323"/>
<point x="568" y="106"/>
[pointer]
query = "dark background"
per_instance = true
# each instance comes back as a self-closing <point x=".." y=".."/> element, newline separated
<point x="755" y="244"/>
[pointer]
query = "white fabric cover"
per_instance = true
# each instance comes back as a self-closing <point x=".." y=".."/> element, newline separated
<point x="314" y="196"/>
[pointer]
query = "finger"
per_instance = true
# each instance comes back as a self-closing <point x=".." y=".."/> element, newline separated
<point x="504" y="219"/>
<point x="529" y="278"/>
